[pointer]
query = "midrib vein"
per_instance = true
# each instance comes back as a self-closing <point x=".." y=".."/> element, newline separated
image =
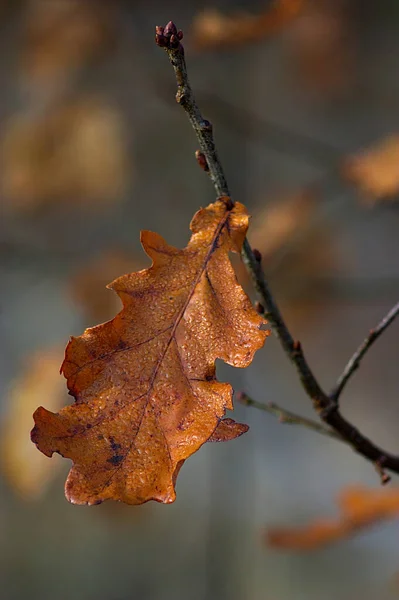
<point x="179" y="317"/>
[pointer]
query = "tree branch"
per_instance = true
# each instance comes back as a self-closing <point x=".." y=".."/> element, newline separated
<point x="286" y="416"/>
<point x="354" y="362"/>
<point x="170" y="39"/>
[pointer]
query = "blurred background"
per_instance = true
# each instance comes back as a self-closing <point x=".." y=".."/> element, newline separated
<point x="304" y="97"/>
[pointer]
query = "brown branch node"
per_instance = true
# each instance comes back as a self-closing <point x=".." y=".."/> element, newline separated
<point x="201" y="160"/>
<point x="379" y="465"/>
<point x="257" y="255"/>
<point x="259" y="308"/>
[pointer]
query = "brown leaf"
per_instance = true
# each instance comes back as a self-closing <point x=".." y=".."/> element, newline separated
<point x="144" y="383"/>
<point x="359" y="507"/>
<point x="211" y="28"/>
<point x="27" y="471"/>
<point x="376" y="170"/>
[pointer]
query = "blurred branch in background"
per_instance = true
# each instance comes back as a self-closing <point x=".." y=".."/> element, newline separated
<point x="325" y="405"/>
<point x="372" y="171"/>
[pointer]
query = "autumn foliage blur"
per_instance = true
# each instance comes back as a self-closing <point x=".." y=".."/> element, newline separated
<point x="67" y="146"/>
<point x="64" y="150"/>
<point x="63" y="145"/>
<point x="375" y="171"/>
<point x="359" y="508"/>
<point x="29" y="472"/>
<point x="214" y="29"/>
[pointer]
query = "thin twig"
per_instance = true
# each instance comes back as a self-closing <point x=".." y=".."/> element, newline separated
<point x="292" y="348"/>
<point x="286" y="416"/>
<point x="354" y="362"/>
<point x="170" y="39"/>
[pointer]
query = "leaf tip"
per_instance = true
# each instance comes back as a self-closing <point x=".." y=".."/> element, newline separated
<point x="40" y="417"/>
<point x="228" y="429"/>
<point x="154" y="244"/>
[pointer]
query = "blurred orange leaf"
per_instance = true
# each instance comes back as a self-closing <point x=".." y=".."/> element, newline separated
<point x="74" y="153"/>
<point x="27" y="471"/>
<point x="376" y="170"/>
<point x="286" y="231"/>
<point x="211" y="28"/>
<point x="321" y="46"/>
<point x="277" y="223"/>
<point x="61" y="37"/>
<point x="146" y="392"/>
<point x="359" y="508"/>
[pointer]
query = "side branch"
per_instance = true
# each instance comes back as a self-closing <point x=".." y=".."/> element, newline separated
<point x="354" y="361"/>
<point x="325" y="404"/>
<point x="286" y="416"/>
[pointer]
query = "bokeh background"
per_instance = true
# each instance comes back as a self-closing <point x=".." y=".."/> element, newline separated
<point x="94" y="149"/>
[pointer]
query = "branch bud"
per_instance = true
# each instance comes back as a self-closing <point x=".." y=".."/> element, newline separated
<point x="260" y="309"/>
<point x="168" y="36"/>
<point x="201" y="160"/>
<point x="170" y="29"/>
<point x="257" y="255"/>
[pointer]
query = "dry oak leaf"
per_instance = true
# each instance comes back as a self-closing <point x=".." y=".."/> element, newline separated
<point x="146" y="393"/>
<point x="376" y="171"/>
